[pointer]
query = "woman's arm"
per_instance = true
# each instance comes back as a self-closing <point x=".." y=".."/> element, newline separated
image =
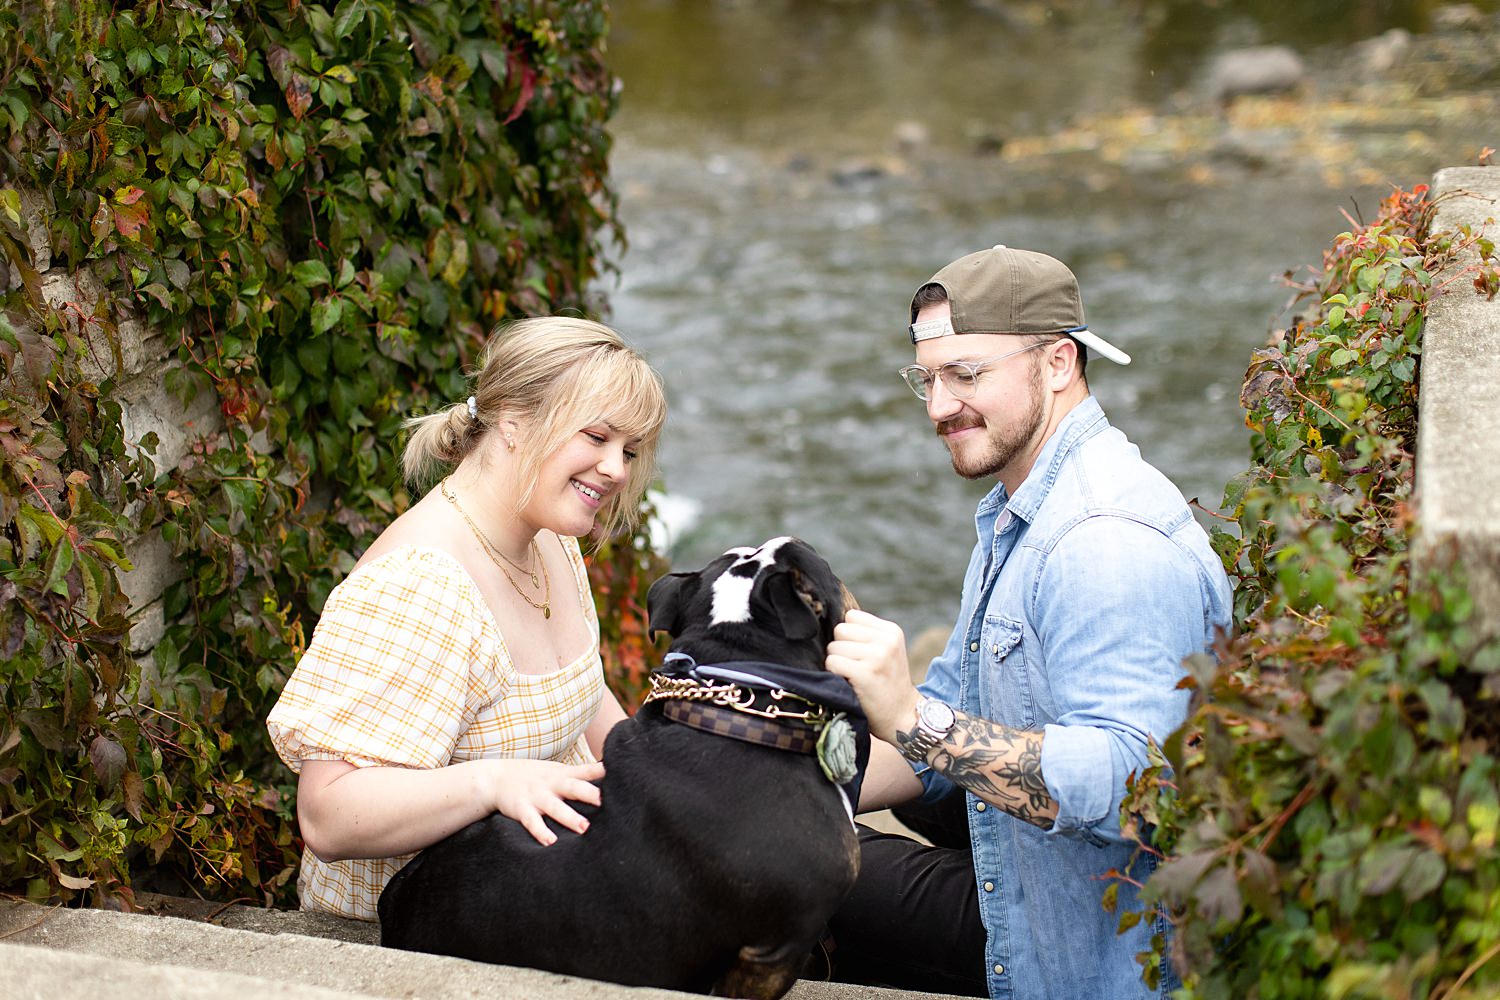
<point x="610" y="713"/>
<point x="380" y="812"/>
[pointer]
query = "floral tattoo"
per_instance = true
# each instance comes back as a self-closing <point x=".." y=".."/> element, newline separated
<point x="999" y="764"/>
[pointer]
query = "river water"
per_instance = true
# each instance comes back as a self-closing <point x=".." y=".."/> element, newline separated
<point x="790" y="170"/>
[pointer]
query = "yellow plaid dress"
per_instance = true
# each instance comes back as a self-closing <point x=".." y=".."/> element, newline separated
<point x="407" y="669"/>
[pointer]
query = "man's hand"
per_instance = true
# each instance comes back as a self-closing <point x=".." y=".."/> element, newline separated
<point x="870" y="653"/>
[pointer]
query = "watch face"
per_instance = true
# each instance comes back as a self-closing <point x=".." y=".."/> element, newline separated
<point x="936" y="715"/>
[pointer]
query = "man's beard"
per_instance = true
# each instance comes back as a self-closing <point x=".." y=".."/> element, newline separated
<point x="1001" y="445"/>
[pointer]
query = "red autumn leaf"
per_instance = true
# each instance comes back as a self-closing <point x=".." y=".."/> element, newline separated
<point x="131" y="219"/>
<point x="528" y="88"/>
<point x="128" y="195"/>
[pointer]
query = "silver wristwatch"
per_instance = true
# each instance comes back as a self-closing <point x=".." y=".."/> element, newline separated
<point x="935" y="720"/>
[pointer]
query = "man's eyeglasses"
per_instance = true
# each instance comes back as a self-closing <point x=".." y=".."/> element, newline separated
<point x="960" y="378"/>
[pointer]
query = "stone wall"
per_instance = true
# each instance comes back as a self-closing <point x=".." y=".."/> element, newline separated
<point x="1458" y="424"/>
<point x="137" y="368"/>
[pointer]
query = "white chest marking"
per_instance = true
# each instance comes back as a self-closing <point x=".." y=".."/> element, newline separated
<point x="732" y="590"/>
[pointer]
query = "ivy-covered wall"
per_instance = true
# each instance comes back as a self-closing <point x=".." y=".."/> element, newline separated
<point x="1327" y="818"/>
<point x="300" y="220"/>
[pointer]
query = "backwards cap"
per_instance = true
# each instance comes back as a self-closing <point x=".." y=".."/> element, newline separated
<point x="1007" y="291"/>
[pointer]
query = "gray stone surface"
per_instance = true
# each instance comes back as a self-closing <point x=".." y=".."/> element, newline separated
<point x="136" y="358"/>
<point x="53" y="953"/>
<point x="1458" y="474"/>
<point x="147" y="407"/>
<point x="153" y="570"/>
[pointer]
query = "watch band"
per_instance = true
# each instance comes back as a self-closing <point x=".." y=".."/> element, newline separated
<point x="935" y="720"/>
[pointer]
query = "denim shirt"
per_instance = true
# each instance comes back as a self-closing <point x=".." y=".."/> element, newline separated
<point x="1083" y="596"/>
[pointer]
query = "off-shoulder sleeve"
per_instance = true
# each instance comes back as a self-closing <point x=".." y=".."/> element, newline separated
<point x="395" y="670"/>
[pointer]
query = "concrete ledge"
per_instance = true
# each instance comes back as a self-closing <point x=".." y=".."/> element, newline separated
<point x="1457" y="474"/>
<point x="52" y="953"/>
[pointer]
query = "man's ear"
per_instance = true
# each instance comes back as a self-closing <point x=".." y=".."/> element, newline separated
<point x="667" y="600"/>
<point x="1062" y="362"/>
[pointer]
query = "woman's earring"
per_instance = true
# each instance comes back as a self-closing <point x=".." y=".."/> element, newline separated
<point x="510" y="444"/>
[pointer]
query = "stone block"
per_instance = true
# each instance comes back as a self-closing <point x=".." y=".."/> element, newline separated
<point x="154" y="568"/>
<point x="148" y="625"/>
<point x="1457" y="476"/>
<point x="147" y="406"/>
<point x="136" y="349"/>
<point x="36" y="210"/>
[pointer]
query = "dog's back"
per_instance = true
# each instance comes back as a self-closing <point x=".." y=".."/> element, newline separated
<point x="711" y="863"/>
<point x="732" y="845"/>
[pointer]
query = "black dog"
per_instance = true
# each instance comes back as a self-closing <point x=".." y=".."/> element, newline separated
<point x="715" y="860"/>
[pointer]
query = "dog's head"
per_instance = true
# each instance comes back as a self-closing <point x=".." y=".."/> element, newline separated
<point x="777" y="602"/>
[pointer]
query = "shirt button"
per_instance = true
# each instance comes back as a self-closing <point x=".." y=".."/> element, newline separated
<point x="980" y="807"/>
<point x="973" y="647"/>
<point x="989" y="887"/>
<point x="999" y="970"/>
<point x="995" y="649"/>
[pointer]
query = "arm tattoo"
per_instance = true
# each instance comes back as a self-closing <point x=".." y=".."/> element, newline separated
<point x="999" y="764"/>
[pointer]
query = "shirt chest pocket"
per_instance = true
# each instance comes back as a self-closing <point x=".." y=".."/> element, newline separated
<point x="1004" y="680"/>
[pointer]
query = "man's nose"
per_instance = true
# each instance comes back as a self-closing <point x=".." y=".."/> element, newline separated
<point x="941" y="404"/>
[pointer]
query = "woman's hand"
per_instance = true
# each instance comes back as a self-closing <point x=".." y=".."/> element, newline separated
<point x="528" y="790"/>
<point x="383" y="812"/>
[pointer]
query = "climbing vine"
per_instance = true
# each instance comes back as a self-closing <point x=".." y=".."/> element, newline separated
<point x="322" y="209"/>
<point x="1327" y="818"/>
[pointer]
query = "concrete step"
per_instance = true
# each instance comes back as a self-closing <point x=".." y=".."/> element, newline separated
<point x="209" y="950"/>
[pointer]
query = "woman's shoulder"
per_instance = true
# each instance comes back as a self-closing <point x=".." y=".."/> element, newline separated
<point x="406" y="570"/>
<point x="400" y="561"/>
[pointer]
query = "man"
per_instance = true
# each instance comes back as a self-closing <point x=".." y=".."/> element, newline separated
<point x="1090" y="584"/>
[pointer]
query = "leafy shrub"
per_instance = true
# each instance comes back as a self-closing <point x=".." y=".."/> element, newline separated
<point x="1328" y="814"/>
<point x="324" y="208"/>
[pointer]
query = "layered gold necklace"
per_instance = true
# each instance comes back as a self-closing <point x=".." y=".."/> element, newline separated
<point x="492" y="550"/>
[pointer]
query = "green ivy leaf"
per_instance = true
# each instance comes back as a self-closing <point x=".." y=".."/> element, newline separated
<point x="311" y="273"/>
<point x="326" y="312"/>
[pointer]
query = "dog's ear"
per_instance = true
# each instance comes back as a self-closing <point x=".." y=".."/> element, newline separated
<point x="797" y="608"/>
<point x="667" y="600"/>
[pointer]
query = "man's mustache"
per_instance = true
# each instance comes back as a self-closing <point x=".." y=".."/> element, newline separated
<point x="957" y="424"/>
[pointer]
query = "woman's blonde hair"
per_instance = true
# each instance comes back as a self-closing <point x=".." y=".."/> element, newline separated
<point x="555" y="376"/>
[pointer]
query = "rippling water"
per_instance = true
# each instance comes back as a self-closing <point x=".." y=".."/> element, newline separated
<point x="778" y="224"/>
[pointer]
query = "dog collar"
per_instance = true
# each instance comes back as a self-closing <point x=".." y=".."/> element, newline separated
<point x="772" y="705"/>
<point x="736" y="721"/>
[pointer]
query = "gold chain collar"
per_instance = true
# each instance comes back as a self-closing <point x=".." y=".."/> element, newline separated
<point x="737" y="698"/>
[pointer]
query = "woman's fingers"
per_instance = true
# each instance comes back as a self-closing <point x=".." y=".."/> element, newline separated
<point x="592" y="771"/>
<point x="534" y="825"/>
<point x="536" y="790"/>
<point x="566" y="816"/>
<point x="582" y="791"/>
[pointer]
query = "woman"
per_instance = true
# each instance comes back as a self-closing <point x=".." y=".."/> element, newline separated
<point x="455" y="672"/>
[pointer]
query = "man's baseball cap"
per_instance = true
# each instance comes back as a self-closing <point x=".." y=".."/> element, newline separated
<point x="1001" y="290"/>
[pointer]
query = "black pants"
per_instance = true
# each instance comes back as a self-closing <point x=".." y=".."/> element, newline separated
<point x="912" y="919"/>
